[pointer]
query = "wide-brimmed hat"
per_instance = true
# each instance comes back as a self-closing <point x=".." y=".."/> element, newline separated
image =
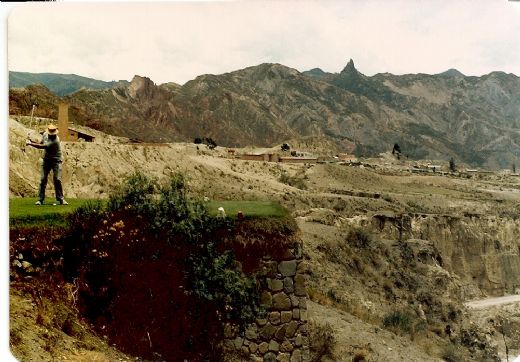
<point x="52" y="129"/>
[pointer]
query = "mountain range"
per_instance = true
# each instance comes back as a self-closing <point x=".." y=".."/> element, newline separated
<point x="475" y="120"/>
<point x="60" y="84"/>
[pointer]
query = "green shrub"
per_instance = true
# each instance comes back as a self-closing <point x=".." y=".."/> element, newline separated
<point x="215" y="277"/>
<point x="359" y="237"/>
<point x="294" y="181"/>
<point x="137" y="192"/>
<point x="332" y="294"/>
<point x="88" y="214"/>
<point x="398" y="321"/>
<point x="153" y="260"/>
<point x="451" y="354"/>
<point x="340" y="205"/>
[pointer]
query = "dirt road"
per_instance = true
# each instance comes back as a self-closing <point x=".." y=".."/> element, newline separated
<point x="491" y="302"/>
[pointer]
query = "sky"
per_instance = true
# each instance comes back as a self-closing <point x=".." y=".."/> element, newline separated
<point x="177" y="41"/>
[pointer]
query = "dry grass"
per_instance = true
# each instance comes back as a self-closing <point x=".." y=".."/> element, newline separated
<point x="428" y="345"/>
<point x="451" y="353"/>
<point x="352" y="307"/>
<point x="322" y="341"/>
<point x="90" y="356"/>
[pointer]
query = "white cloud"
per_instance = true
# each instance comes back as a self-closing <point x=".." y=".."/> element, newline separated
<point x="178" y="41"/>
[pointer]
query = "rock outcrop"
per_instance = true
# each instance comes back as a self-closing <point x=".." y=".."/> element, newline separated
<point x="483" y="251"/>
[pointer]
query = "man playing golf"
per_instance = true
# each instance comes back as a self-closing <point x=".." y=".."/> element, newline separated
<point x="52" y="160"/>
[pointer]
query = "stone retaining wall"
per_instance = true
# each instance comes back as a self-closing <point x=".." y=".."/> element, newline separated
<point x="282" y="334"/>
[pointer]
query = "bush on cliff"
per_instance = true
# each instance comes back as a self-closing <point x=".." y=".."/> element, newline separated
<point x="359" y="238"/>
<point x="152" y="274"/>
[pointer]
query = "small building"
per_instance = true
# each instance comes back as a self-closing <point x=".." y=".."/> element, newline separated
<point x="274" y="157"/>
<point x="76" y="135"/>
<point x="255" y="157"/>
<point x="298" y="159"/>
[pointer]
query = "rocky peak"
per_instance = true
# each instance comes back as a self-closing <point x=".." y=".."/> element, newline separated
<point x="273" y="71"/>
<point x="349" y="78"/>
<point x="121" y="83"/>
<point x="141" y="87"/>
<point x="316" y="71"/>
<point x="349" y="68"/>
<point x="452" y="73"/>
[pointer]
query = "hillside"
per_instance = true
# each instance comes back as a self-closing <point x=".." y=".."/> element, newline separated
<point x="392" y="255"/>
<point x="476" y="120"/>
<point x="59" y="84"/>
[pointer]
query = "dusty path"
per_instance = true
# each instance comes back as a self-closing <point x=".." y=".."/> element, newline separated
<point x="491" y="302"/>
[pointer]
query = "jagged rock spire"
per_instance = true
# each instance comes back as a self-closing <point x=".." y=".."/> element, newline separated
<point x="349" y="68"/>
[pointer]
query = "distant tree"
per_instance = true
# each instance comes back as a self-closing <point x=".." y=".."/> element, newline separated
<point x="453" y="167"/>
<point x="197" y="141"/>
<point x="514" y="168"/>
<point x="211" y="143"/>
<point x="396" y="151"/>
<point x="285" y="147"/>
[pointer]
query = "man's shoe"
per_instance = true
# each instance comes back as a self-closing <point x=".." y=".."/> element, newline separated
<point x="63" y="202"/>
<point x="38" y="202"/>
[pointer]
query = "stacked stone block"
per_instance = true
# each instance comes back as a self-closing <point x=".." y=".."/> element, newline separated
<point x="282" y="334"/>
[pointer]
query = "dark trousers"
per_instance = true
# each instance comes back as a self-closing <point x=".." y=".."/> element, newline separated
<point x="47" y="166"/>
